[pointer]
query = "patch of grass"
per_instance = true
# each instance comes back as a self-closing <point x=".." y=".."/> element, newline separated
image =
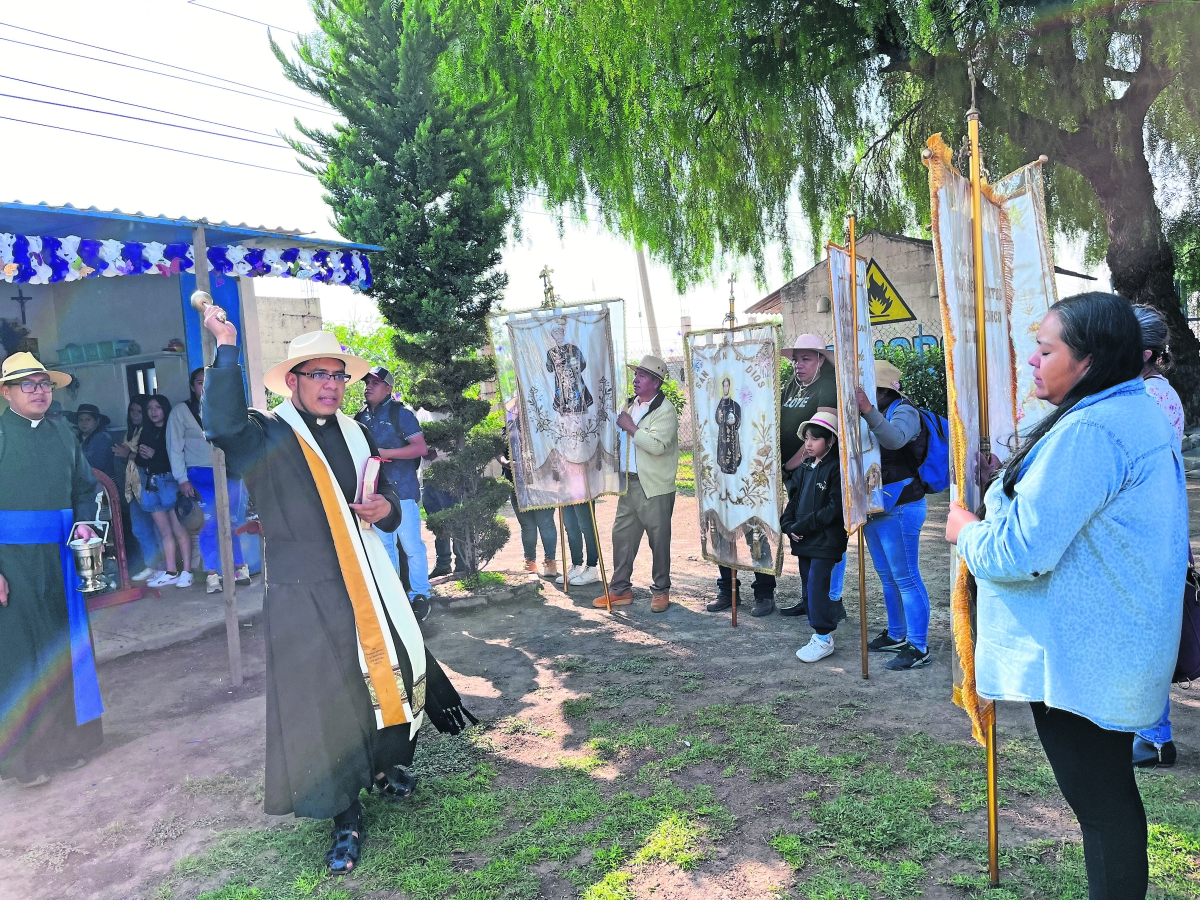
<point x="515" y="725"/>
<point x="52" y="856"/>
<point x="685" y="477"/>
<point x="480" y="580"/>
<point x="792" y="847"/>
<point x="114" y="834"/>
<point x="581" y="707"/>
<point x="675" y="840"/>
<point x="223" y="784"/>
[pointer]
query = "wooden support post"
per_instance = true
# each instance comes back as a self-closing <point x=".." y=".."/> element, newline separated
<point x="599" y="546"/>
<point x="233" y="636"/>
<point x="737" y="596"/>
<point x="862" y="571"/>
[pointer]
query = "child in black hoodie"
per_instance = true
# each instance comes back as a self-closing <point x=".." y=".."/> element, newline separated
<point x="814" y="522"/>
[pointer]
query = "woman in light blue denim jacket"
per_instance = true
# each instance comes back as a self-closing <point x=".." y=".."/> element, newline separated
<point x="1086" y="533"/>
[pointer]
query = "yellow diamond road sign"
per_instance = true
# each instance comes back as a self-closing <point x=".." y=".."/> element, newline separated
<point x="886" y="304"/>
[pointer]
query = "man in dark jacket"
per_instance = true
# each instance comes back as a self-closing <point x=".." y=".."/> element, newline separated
<point x="349" y="680"/>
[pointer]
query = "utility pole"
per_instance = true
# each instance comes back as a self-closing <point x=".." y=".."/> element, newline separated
<point x="651" y="321"/>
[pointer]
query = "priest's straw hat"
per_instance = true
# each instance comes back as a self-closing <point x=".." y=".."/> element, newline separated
<point x="20" y="366"/>
<point x="825" y="416"/>
<point x="313" y="345"/>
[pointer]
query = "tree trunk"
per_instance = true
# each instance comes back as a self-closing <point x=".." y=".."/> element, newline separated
<point x="1139" y="257"/>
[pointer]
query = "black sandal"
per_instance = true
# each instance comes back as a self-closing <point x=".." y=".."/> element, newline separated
<point x="347" y="847"/>
<point x="397" y="783"/>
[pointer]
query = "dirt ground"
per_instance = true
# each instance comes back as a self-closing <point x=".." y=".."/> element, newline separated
<point x="183" y="751"/>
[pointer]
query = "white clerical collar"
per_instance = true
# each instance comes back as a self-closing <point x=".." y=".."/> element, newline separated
<point x="33" y="423"/>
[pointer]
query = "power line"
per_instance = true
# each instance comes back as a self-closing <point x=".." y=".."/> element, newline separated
<point x="298" y="105"/>
<point x="153" y="62"/>
<point x="225" y="12"/>
<point x="111" y="137"/>
<point x="104" y="112"/>
<point x="165" y="112"/>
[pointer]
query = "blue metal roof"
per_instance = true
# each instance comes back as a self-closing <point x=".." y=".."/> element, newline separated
<point x="100" y="225"/>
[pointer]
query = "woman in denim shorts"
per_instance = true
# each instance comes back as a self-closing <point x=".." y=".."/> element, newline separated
<point x="159" y="493"/>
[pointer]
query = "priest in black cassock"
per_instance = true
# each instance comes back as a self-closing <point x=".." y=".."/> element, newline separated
<point x="349" y="681"/>
<point x="49" y="696"/>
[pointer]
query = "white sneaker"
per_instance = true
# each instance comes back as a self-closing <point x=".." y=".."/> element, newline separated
<point x="241" y="575"/>
<point x="586" y="575"/>
<point x="571" y="575"/>
<point x="815" y="649"/>
<point x="162" y="579"/>
<point x="184" y="580"/>
<point x="143" y="575"/>
<point x="212" y="584"/>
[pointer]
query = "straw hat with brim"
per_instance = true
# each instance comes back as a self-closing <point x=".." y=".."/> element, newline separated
<point x="887" y="376"/>
<point x="811" y="342"/>
<point x="825" y="416"/>
<point x="651" y="365"/>
<point x="20" y="366"/>
<point x="314" y="345"/>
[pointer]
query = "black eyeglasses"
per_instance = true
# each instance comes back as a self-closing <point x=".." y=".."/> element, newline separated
<point x="32" y="387"/>
<point x="339" y="377"/>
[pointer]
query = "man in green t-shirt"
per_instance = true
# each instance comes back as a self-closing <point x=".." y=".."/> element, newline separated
<point x="813" y="385"/>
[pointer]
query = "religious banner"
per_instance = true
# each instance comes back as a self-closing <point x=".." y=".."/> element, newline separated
<point x="561" y="373"/>
<point x="862" y="474"/>
<point x="734" y="395"/>
<point x="1019" y="289"/>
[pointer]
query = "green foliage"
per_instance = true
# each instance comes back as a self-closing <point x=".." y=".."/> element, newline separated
<point x="698" y="124"/>
<point x="378" y="348"/>
<point x="412" y="170"/>
<point x="922" y="375"/>
<point x="675" y="395"/>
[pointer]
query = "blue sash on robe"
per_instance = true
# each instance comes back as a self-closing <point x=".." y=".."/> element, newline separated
<point x="53" y="526"/>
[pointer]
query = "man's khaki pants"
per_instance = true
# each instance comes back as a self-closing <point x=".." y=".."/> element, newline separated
<point x="638" y="514"/>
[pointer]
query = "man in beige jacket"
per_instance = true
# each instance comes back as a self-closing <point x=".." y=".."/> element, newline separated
<point x="650" y="454"/>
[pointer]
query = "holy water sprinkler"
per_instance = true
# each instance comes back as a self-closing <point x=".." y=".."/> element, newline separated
<point x="202" y="302"/>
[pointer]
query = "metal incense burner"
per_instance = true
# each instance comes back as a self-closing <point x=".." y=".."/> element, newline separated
<point x="89" y="553"/>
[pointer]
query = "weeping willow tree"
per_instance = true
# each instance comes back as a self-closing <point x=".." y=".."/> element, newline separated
<point x="695" y="122"/>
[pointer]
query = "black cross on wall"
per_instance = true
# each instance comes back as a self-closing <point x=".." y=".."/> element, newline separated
<point x="22" y="299"/>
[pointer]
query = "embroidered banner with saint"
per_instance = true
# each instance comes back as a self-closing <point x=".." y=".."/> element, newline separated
<point x="734" y="394"/>
<point x="559" y="371"/>
<point x="862" y="474"/>
<point x="1018" y="273"/>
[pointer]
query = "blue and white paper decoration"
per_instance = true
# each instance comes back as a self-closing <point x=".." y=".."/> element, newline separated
<point x="30" y="259"/>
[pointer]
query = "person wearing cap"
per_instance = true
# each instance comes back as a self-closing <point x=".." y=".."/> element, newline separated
<point x="650" y="456"/>
<point x="191" y="462"/>
<point x="401" y="443"/>
<point x="49" y="694"/>
<point x="349" y="679"/>
<point x="894" y="536"/>
<point x="93" y="435"/>
<point x="813" y="385"/>
<point x="814" y="523"/>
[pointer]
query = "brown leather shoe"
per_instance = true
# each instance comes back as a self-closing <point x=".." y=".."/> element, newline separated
<point x="549" y="568"/>
<point x="659" y="602"/>
<point x="531" y="566"/>
<point x="617" y="600"/>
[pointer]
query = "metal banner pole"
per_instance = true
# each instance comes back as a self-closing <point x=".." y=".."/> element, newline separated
<point x="985" y="443"/>
<point x="862" y="572"/>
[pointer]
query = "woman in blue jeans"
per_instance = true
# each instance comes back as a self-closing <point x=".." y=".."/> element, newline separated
<point x="894" y="537"/>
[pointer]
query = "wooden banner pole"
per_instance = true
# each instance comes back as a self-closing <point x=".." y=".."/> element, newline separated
<point x="862" y="572"/>
<point x="233" y="637"/>
<point x="985" y="443"/>
<point x="599" y="547"/>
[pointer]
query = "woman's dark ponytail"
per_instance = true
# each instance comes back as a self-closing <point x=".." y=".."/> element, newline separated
<point x="1103" y="327"/>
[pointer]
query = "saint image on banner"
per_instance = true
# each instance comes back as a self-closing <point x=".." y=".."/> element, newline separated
<point x="739" y="494"/>
<point x="729" y="422"/>
<point x="566" y="363"/>
<point x="559" y="372"/>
